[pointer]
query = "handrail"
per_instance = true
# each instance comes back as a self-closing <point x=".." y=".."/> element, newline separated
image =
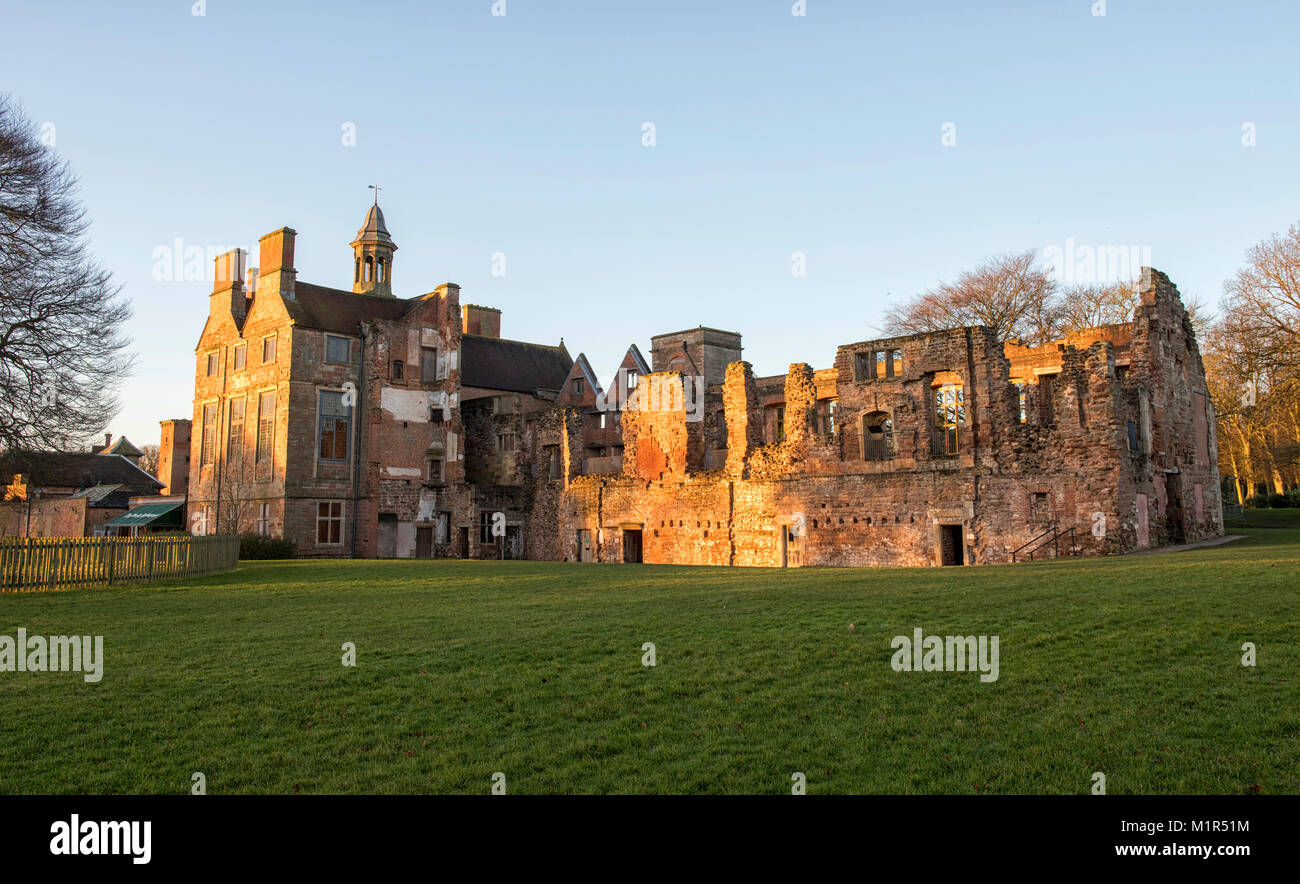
<point x="1054" y="540"/>
<point x="1050" y="529"/>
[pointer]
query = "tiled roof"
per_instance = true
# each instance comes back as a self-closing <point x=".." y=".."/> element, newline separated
<point x="123" y="447"/>
<point x="499" y="364"/>
<point x="334" y="310"/>
<point x="60" y="469"/>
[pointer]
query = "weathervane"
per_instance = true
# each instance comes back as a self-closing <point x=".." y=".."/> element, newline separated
<point x="376" y="188"/>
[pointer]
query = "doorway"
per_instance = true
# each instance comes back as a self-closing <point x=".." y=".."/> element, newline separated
<point x="952" y="551"/>
<point x="584" y="546"/>
<point x="423" y="543"/>
<point x="1174" y="507"/>
<point x="387" y="536"/>
<point x="462" y="546"/>
<point x="791" y="546"/>
<point x="632" y="546"/>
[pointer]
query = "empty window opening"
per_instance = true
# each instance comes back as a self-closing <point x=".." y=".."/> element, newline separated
<point x="877" y="436"/>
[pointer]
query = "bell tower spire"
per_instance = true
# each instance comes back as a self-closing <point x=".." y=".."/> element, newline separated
<point x="373" y="254"/>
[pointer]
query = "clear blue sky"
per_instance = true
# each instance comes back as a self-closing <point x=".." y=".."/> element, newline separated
<point x="522" y="134"/>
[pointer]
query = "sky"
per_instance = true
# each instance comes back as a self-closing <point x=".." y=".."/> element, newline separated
<point x="803" y="173"/>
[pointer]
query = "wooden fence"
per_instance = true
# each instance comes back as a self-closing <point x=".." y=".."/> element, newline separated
<point x="49" y="563"/>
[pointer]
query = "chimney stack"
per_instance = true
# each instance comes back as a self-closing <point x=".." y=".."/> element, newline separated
<point x="228" y="285"/>
<point x="476" y="320"/>
<point x="108" y="440"/>
<point x="277" y="263"/>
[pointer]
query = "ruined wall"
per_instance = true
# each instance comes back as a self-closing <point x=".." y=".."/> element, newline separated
<point x="1107" y="445"/>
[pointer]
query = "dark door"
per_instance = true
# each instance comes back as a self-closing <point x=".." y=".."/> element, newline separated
<point x="463" y="547"/>
<point x="632" y="547"/>
<point x="423" y="543"/>
<point x="951" y="548"/>
<point x="1174" y="507"/>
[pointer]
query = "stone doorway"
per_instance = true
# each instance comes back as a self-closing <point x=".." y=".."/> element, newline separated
<point x="791" y="547"/>
<point x="632" y="546"/>
<point x="952" y="548"/>
<point x="423" y="543"/>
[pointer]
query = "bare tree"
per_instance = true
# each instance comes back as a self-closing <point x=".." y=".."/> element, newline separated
<point x="1008" y="294"/>
<point x="63" y="352"/>
<point x="1265" y="297"/>
<point x="1088" y="306"/>
<point x="149" y="458"/>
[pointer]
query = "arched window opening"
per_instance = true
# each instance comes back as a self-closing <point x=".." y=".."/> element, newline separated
<point x="877" y="436"/>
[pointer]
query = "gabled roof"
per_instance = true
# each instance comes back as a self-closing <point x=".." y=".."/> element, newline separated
<point x="589" y="373"/>
<point x="123" y="447"/>
<point x="514" y="366"/>
<point x="638" y="362"/>
<point x="334" y="310"/>
<point x="642" y="366"/>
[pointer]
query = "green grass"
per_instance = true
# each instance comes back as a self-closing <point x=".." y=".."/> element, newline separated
<point x="1287" y="517"/>
<point x="1128" y="666"/>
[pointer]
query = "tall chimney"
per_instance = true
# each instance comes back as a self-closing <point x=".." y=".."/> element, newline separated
<point x="108" y="441"/>
<point x="228" y="285"/>
<point x="277" y="263"/>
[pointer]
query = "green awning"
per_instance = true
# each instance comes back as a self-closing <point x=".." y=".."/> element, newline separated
<point x="144" y="514"/>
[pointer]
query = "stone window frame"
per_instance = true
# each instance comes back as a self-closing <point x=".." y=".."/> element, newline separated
<point x="330" y="516"/>
<point x="1022" y="399"/>
<point x="949" y="414"/>
<point x="338" y="416"/>
<point x="440" y="477"/>
<point x="505" y="436"/>
<point x="431" y="363"/>
<point x="263" y="523"/>
<point x="269" y="347"/>
<point x="264" y="450"/>
<point x="397" y="370"/>
<point x="578" y="387"/>
<point x="347" y="360"/>
<point x="241" y="356"/>
<point x="885" y="448"/>
<point x="1040" y="506"/>
<point x="213" y="366"/>
<point x="235" y="444"/>
<point x="208" y="432"/>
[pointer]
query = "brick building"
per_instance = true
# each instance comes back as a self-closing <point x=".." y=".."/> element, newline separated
<point x="358" y="423"/>
<point x="931" y="449"/>
<point x="70" y="493"/>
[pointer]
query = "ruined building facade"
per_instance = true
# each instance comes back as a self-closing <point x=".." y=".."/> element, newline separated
<point x="358" y="423"/>
<point x="930" y="449"/>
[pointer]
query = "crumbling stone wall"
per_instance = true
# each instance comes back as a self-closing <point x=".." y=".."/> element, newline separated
<point x="1101" y="443"/>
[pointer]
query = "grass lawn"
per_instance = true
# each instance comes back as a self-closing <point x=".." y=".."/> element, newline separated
<point x="1128" y="666"/>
